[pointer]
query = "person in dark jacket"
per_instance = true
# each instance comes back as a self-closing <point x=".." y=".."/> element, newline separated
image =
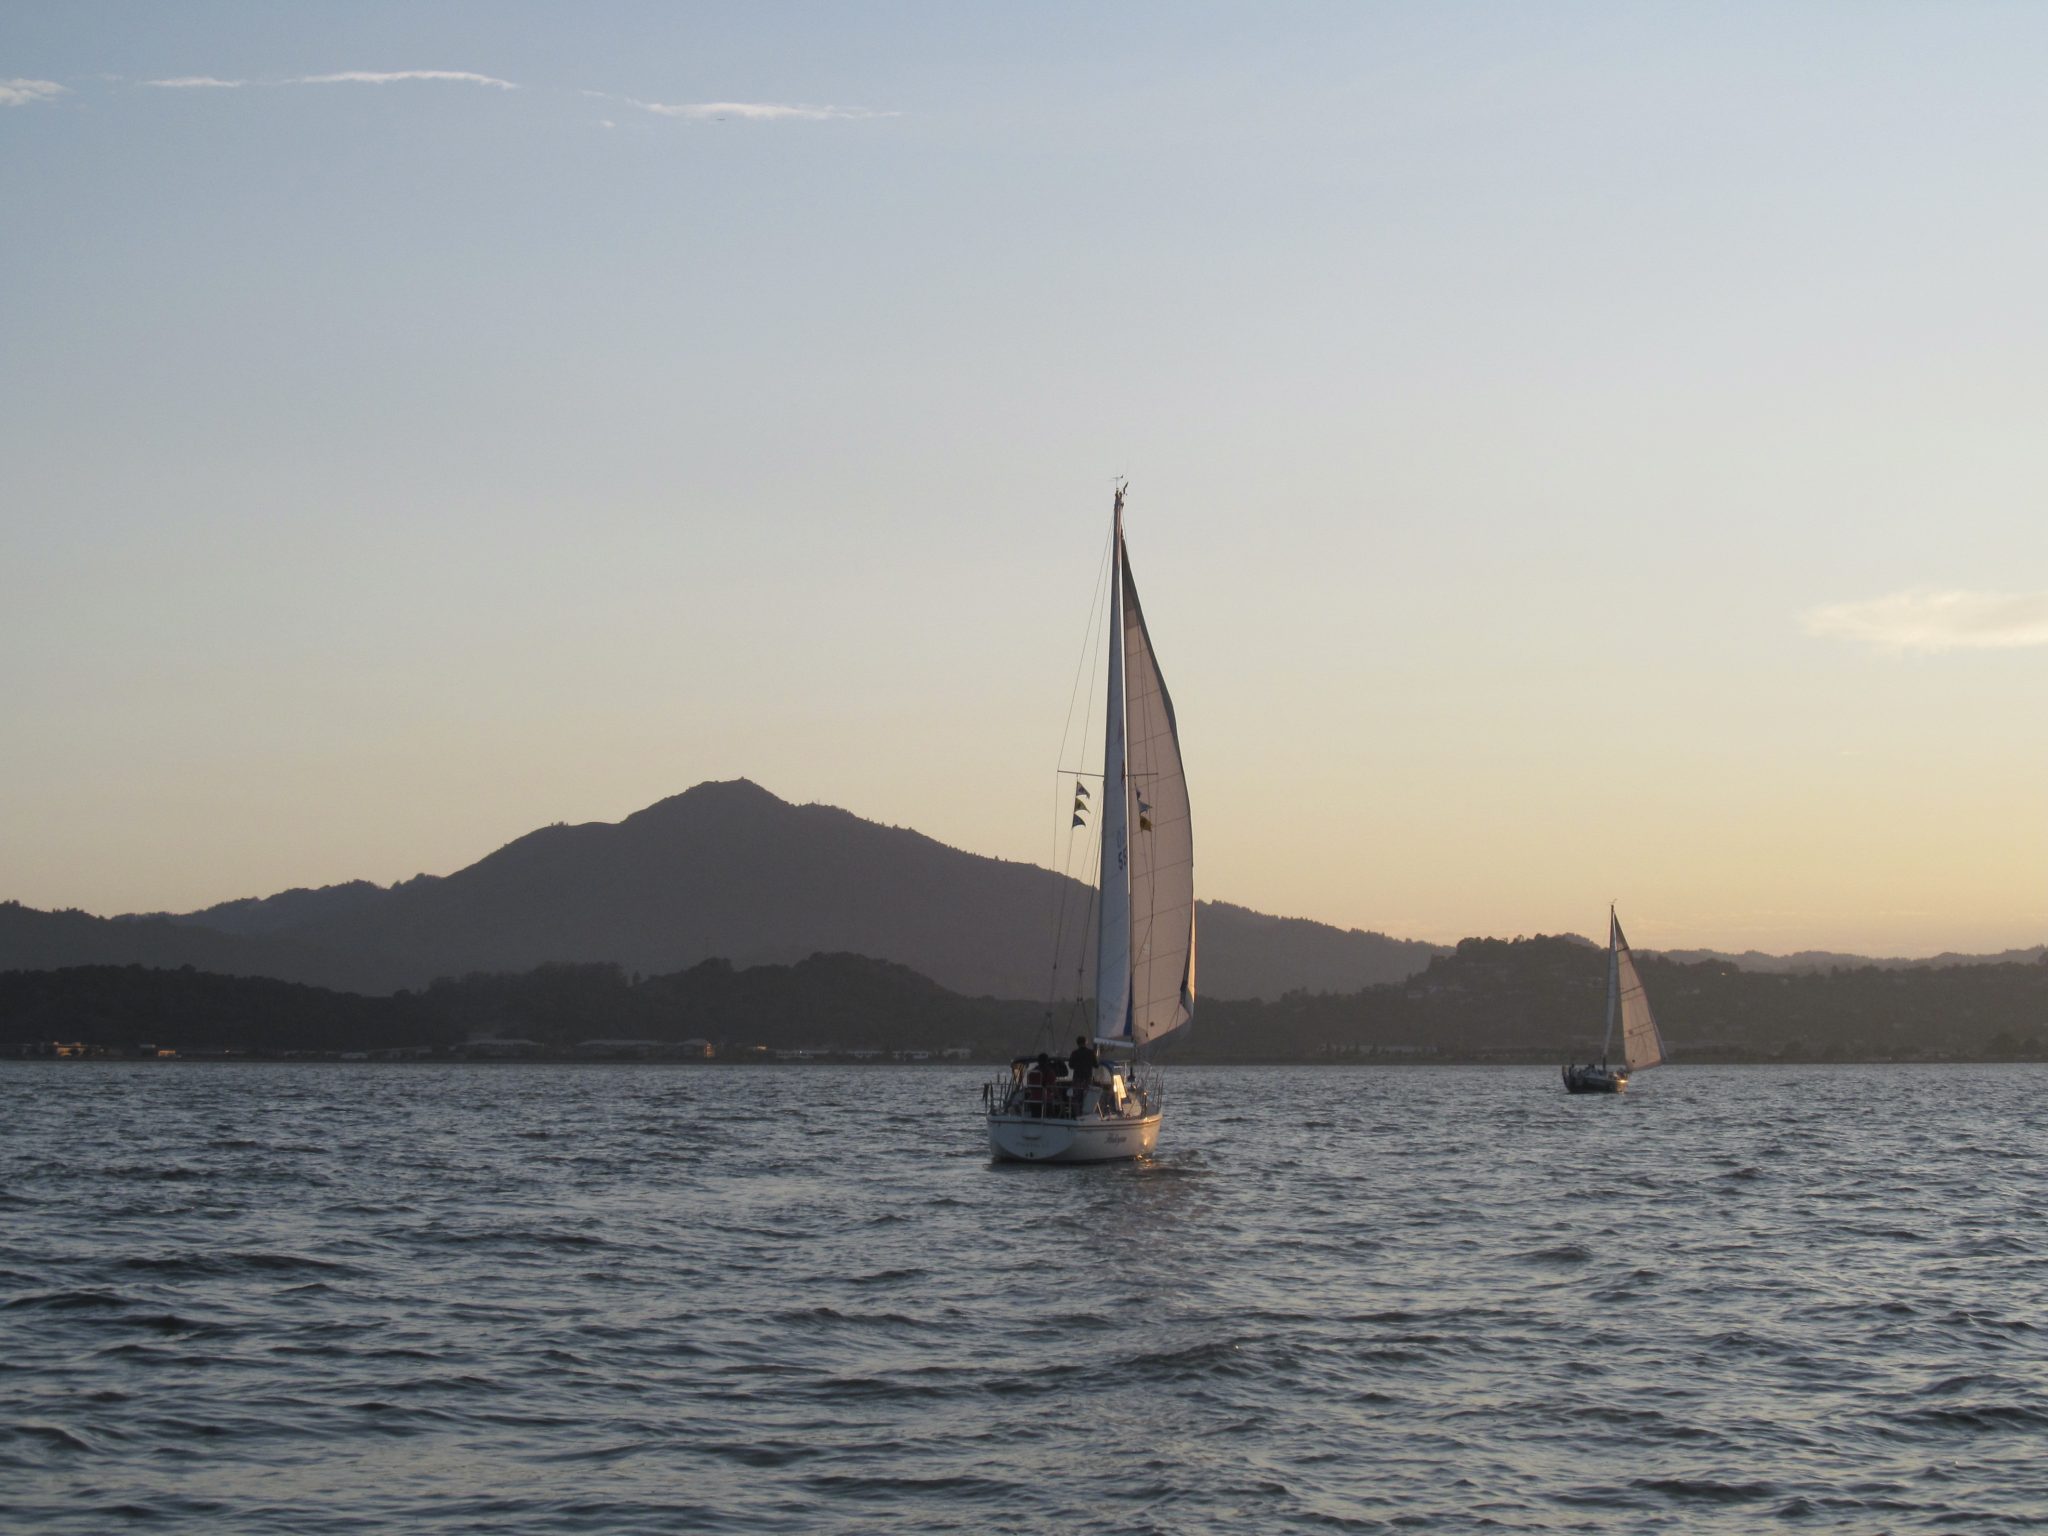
<point x="1082" y="1062"/>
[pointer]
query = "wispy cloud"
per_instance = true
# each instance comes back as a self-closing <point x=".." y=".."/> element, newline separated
<point x="753" y="111"/>
<point x="26" y="93"/>
<point x="390" y="77"/>
<point x="19" y="93"/>
<point x="1937" y="621"/>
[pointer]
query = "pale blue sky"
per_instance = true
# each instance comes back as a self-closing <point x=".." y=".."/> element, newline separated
<point x="392" y="467"/>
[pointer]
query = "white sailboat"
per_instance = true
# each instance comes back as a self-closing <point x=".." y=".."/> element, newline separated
<point x="1642" y="1047"/>
<point x="1145" y="925"/>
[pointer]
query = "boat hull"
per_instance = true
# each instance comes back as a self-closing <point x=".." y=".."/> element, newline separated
<point x="1025" y="1139"/>
<point x="1593" y="1081"/>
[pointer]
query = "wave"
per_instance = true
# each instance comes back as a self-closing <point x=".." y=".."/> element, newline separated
<point x="1408" y="1319"/>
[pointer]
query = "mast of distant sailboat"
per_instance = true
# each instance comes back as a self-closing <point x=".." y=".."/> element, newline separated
<point x="1613" y="981"/>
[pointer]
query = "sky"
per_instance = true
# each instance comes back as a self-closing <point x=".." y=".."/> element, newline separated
<point x="1578" y="453"/>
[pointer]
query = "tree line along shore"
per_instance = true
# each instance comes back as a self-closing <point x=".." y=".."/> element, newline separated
<point x="1491" y="1000"/>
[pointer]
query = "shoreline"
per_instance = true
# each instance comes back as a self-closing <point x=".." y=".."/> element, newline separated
<point x="1390" y="1064"/>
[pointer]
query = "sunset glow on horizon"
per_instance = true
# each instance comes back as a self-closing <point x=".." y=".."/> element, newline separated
<point x="1577" y="454"/>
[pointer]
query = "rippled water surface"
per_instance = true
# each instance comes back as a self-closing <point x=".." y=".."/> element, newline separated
<point x="565" y="1299"/>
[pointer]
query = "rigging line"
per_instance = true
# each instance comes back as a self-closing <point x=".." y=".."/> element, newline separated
<point x="1095" y="607"/>
<point x="1110" y="579"/>
<point x="1088" y="922"/>
<point x="1097" y="604"/>
<point x="1059" y="914"/>
<point x="1092" y="868"/>
<point x="1099" y="620"/>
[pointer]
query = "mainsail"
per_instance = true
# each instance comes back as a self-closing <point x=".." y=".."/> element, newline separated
<point x="1641" y="1045"/>
<point x="1145" y="954"/>
<point x="1162" y="848"/>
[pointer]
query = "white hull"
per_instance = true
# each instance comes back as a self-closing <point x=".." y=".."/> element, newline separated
<point x="1025" y="1139"/>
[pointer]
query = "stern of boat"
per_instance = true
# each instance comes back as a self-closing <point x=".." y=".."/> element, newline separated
<point x="1017" y="1139"/>
<point x="1585" y="1080"/>
<point x="1032" y="1123"/>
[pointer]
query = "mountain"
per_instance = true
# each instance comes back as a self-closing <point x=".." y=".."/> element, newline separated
<point x="723" y="871"/>
<point x="260" y="915"/>
<point x="33" y="940"/>
<point x="728" y="871"/>
<point x="1249" y="954"/>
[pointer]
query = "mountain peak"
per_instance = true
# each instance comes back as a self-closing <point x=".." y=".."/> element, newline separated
<point x="723" y="796"/>
<point x="725" y="869"/>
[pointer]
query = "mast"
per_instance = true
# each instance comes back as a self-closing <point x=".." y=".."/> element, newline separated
<point x="1613" y="980"/>
<point x="1113" y="935"/>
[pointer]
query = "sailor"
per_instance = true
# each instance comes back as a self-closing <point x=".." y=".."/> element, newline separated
<point x="1081" y="1062"/>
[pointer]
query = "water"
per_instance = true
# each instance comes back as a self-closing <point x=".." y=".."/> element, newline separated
<point x="570" y="1299"/>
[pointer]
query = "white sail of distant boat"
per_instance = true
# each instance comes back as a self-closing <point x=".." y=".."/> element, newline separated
<point x="1108" y="1106"/>
<point x="1642" y="1046"/>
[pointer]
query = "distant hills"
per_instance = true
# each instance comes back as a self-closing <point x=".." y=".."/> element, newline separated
<point x="1526" y="1000"/>
<point x="1807" y="960"/>
<point x="33" y="940"/>
<point x="728" y="871"/>
<point x="723" y="871"/>
<point x="1815" y="961"/>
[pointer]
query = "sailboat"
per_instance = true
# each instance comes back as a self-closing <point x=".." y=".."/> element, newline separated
<point x="1109" y="1106"/>
<point x="1642" y="1047"/>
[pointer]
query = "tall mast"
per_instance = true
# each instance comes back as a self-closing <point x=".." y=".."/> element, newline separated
<point x="1113" y="936"/>
<point x="1613" y="979"/>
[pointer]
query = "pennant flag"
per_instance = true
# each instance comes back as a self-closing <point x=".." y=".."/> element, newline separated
<point x="1143" y="808"/>
<point x="1080" y="805"/>
<point x="1080" y="789"/>
<point x="1144" y="824"/>
<point x="1078" y="822"/>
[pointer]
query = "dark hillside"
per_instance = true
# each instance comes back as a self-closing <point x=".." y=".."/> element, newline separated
<point x="33" y="940"/>
<point x="724" y="871"/>
<point x="1536" y="1000"/>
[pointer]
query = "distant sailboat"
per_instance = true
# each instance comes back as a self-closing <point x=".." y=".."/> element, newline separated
<point x="1144" y="924"/>
<point x="1641" y="1046"/>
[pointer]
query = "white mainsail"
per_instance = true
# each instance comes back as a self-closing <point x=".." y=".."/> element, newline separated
<point x="1145" y="955"/>
<point x="1641" y="1045"/>
<point x="1162" y="846"/>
